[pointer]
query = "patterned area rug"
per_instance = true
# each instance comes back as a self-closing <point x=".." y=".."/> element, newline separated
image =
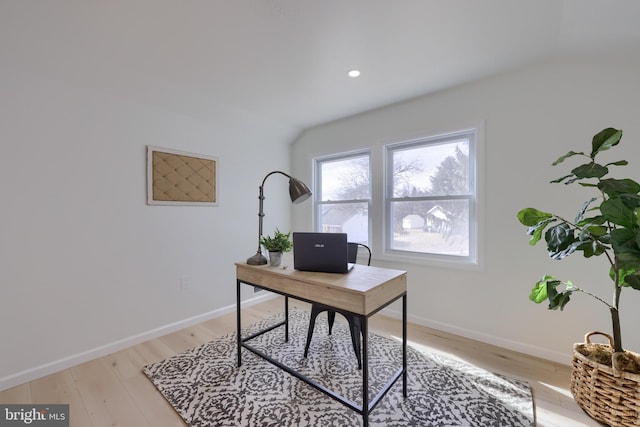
<point x="206" y="388"/>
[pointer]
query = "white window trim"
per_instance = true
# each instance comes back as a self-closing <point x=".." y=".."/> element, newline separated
<point x="317" y="202"/>
<point x="475" y="259"/>
<point x="377" y="209"/>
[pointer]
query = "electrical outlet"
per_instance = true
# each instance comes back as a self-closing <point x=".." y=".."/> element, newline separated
<point x="185" y="283"/>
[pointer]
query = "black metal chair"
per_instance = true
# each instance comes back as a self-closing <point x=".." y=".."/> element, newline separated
<point x="355" y="325"/>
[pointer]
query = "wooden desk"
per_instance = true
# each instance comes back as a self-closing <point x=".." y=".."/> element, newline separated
<point x="363" y="291"/>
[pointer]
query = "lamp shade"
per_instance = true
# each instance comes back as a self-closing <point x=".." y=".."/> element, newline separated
<point x="298" y="191"/>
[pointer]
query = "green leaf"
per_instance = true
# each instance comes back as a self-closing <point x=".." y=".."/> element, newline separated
<point x="552" y="293"/>
<point x="559" y="239"/>
<point x="546" y="288"/>
<point x="532" y="216"/>
<point x="628" y="274"/>
<point x="572" y="180"/>
<point x="625" y="247"/>
<point x="562" y="178"/>
<point x="633" y="281"/>
<point x="590" y="170"/>
<point x="604" y="140"/>
<point x="566" y="156"/>
<point x="561" y="254"/>
<point x="591" y="241"/>
<point x="596" y="230"/>
<point x="597" y="220"/>
<point x="559" y="300"/>
<point x="536" y="231"/>
<point x="628" y="259"/>
<point x="622" y="236"/>
<point x="618" y="163"/>
<point x="539" y="291"/>
<point x="613" y="187"/>
<point x="632" y="201"/>
<point x="614" y="210"/>
<point x="583" y="209"/>
<point x="591" y="248"/>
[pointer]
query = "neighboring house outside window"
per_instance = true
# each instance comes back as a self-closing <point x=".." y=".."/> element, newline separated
<point x="430" y="198"/>
<point x="342" y="195"/>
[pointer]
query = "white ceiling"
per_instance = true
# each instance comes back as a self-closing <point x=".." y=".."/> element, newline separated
<point x="287" y="60"/>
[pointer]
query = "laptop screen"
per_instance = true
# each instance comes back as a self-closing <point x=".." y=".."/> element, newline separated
<point x="326" y="252"/>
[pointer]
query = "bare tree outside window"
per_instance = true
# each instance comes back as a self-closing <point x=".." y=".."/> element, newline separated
<point x="344" y="186"/>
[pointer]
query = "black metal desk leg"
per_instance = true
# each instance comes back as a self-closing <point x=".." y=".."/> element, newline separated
<point x="286" y="319"/>
<point x="238" y="323"/>
<point x="404" y="345"/>
<point x="365" y="371"/>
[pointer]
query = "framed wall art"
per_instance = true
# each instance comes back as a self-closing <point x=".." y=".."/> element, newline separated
<point x="180" y="178"/>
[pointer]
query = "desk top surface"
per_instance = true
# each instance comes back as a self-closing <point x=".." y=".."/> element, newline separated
<point x="361" y="290"/>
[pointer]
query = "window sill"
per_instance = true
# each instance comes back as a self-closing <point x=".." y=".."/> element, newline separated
<point x="466" y="264"/>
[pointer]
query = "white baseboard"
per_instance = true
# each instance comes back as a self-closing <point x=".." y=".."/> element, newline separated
<point x="543" y="353"/>
<point x="76" y="359"/>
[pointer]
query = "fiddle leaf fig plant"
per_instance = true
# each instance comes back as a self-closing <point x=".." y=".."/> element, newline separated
<point x="606" y="226"/>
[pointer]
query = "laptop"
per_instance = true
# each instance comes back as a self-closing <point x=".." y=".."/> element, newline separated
<point x="325" y="252"/>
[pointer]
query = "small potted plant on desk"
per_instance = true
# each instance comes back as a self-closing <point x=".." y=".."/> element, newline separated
<point x="276" y="245"/>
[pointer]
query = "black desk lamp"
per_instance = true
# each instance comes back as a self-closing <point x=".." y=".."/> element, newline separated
<point x="298" y="192"/>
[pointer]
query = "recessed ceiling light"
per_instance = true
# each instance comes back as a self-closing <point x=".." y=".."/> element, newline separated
<point x="353" y="73"/>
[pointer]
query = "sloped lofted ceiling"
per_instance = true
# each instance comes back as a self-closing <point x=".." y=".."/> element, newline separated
<point x="286" y="60"/>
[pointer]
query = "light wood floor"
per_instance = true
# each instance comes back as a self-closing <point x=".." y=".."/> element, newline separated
<point x="113" y="391"/>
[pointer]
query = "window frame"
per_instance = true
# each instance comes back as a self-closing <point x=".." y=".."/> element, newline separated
<point x="470" y="260"/>
<point x="318" y="203"/>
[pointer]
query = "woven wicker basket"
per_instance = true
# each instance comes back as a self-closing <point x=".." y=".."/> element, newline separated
<point x="605" y="393"/>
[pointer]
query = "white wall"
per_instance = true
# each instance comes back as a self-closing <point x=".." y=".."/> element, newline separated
<point x="531" y="117"/>
<point x="86" y="265"/>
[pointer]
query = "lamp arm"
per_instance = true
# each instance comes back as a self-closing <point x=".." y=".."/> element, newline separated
<point x="261" y="204"/>
<point x="271" y="173"/>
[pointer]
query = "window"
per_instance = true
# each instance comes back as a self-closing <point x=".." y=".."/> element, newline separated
<point x="343" y="195"/>
<point x="430" y="197"/>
